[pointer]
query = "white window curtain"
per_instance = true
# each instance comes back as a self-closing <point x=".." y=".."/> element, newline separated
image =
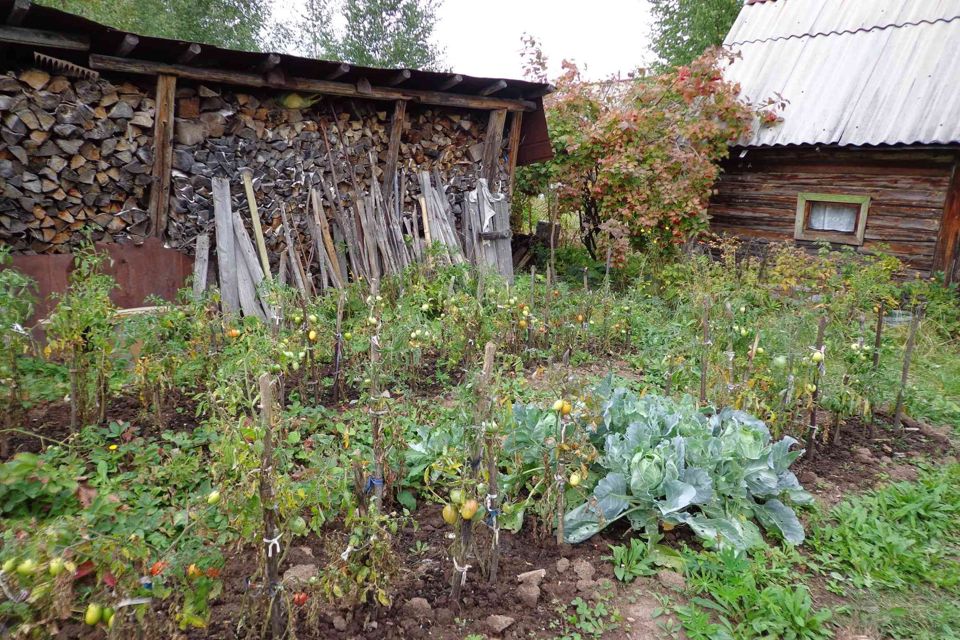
<point x="833" y="216"/>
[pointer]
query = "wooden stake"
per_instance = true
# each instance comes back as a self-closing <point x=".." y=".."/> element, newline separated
<point x="811" y="452"/>
<point x="905" y="373"/>
<point x="201" y="263"/>
<point x="271" y="533"/>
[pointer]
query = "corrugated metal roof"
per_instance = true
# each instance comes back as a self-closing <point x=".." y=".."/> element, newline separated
<point x="856" y="72"/>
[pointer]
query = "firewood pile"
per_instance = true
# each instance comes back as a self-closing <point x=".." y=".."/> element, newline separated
<point x="337" y="149"/>
<point x="76" y="157"/>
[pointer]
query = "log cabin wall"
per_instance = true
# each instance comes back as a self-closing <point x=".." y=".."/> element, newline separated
<point x="756" y="195"/>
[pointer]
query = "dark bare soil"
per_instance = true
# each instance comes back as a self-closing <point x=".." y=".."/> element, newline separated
<point x="838" y="469"/>
<point x="48" y="423"/>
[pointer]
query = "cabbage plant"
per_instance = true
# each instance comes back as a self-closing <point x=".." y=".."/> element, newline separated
<point x="664" y="461"/>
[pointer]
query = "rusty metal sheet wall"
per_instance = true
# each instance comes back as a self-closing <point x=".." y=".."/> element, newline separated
<point x="140" y="271"/>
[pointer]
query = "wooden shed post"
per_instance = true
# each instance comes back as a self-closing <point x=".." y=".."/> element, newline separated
<point x="393" y="150"/>
<point x="162" y="152"/>
<point x="493" y="139"/>
<point x="516" y="123"/>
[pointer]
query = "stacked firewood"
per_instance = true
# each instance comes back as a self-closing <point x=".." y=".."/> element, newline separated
<point x="336" y="147"/>
<point x="76" y="157"/>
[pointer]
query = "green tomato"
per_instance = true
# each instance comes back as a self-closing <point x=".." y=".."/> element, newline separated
<point x="456" y="496"/>
<point x="780" y="362"/>
<point x="298" y="526"/>
<point x="56" y="566"/>
<point x="93" y="614"/>
<point x="27" y="567"/>
<point x="9" y="565"/>
<point x="213" y="497"/>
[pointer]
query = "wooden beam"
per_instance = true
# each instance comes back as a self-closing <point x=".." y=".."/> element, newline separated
<point x="128" y="44"/>
<point x="189" y="53"/>
<point x="492" y="140"/>
<point x="450" y="82"/>
<point x="18" y="12"/>
<point x="269" y="62"/>
<point x="393" y="149"/>
<point x="499" y="85"/>
<point x="343" y="89"/>
<point x="41" y="38"/>
<point x="516" y="124"/>
<point x="162" y="152"/>
<point x="341" y="69"/>
<point x="398" y="78"/>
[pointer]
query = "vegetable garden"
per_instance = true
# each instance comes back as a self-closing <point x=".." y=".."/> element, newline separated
<point x="683" y="447"/>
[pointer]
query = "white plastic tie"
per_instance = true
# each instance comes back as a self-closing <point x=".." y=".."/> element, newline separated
<point x="346" y="552"/>
<point x="462" y="571"/>
<point x="488" y="503"/>
<point x="273" y="545"/>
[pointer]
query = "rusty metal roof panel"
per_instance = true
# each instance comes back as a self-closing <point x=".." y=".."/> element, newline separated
<point x="858" y="72"/>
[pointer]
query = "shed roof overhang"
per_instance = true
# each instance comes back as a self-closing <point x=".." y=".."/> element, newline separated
<point x="104" y="48"/>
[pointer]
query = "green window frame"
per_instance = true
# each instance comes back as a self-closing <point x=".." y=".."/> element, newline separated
<point x="803" y="231"/>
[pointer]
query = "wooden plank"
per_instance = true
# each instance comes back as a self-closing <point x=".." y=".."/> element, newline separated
<point x="255" y="220"/>
<point x="501" y="226"/>
<point x="246" y="287"/>
<point x="493" y="138"/>
<point x="248" y="255"/>
<point x="331" y="251"/>
<point x="226" y="253"/>
<point x="42" y="38"/>
<point x="516" y="124"/>
<point x="327" y="87"/>
<point x="162" y="152"/>
<point x="201" y="264"/>
<point x="393" y="150"/>
<point x="299" y="277"/>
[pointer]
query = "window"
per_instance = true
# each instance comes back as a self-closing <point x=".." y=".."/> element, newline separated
<point x="831" y="217"/>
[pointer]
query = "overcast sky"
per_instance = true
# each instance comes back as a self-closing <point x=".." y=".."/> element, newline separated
<point x="482" y="37"/>
<point x="606" y="36"/>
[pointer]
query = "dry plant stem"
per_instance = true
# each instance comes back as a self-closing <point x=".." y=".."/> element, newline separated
<point x="533" y="300"/>
<point x="74" y="398"/>
<point x="811" y="452"/>
<point x="269" y="507"/>
<point x="705" y="350"/>
<point x="905" y="372"/>
<point x="338" y="391"/>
